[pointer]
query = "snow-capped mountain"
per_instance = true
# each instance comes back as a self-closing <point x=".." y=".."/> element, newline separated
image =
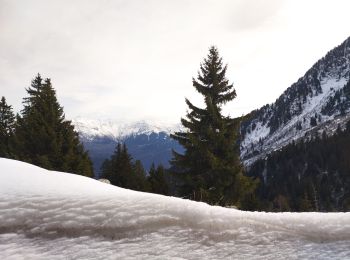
<point x="147" y="142"/>
<point x="117" y="130"/>
<point x="317" y="102"/>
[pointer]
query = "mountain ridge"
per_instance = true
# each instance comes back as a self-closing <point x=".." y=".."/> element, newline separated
<point x="147" y="142"/>
<point x="316" y="98"/>
<point x="118" y="130"/>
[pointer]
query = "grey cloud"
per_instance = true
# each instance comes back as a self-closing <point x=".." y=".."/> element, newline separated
<point x="252" y="14"/>
<point x="128" y="57"/>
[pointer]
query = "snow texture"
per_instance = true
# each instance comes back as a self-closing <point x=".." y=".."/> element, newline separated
<point x="54" y="215"/>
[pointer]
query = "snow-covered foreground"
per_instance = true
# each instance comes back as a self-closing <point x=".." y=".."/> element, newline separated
<point x="53" y="215"/>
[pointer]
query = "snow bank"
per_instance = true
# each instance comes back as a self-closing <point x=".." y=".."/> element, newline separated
<point x="54" y="215"/>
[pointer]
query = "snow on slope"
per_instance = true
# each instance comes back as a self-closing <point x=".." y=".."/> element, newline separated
<point x="297" y="105"/>
<point x="53" y="215"/>
<point x="288" y="131"/>
<point x="89" y="128"/>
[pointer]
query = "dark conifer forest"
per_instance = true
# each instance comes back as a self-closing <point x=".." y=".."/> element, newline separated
<point x="310" y="175"/>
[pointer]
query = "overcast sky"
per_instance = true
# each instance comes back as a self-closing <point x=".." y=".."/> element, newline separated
<point x="133" y="60"/>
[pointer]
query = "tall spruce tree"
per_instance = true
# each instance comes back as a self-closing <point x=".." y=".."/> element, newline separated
<point x="140" y="182"/>
<point x="157" y="180"/>
<point x="210" y="168"/>
<point x="44" y="137"/>
<point x="121" y="171"/>
<point x="7" y="127"/>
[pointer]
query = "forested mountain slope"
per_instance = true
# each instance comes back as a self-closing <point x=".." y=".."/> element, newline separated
<point x="311" y="104"/>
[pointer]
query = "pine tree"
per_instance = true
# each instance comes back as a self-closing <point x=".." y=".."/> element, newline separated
<point x="141" y="183"/>
<point x="157" y="180"/>
<point x="7" y="126"/>
<point x="125" y="169"/>
<point x="122" y="172"/>
<point x="44" y="137"/>
<point x="210" y="168"/>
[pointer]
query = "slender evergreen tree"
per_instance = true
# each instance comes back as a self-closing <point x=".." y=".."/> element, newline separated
<point x="210" y="168"/>
<point x="121" y="171"/>
<point x="157" y="180"/>
<point x="140" y="182"/>
<point x="44" y="137"/>
<point x="7" y="126"/>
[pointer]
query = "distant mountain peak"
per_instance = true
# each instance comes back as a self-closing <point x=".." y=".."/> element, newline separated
<point x="148" y="142"/>
<point x="117" y="130"/>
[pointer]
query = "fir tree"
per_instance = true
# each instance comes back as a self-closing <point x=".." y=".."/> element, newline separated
<point x="7" y="126"/>
<point x="109" y="166"/>
<point x="210" y="168"/>
<point x="157" y="180"/>
<point x="124" y="169"/>
<point x="122" y="172"/>
<point x="44" y="137"/>
<point x="140" y="183"/>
